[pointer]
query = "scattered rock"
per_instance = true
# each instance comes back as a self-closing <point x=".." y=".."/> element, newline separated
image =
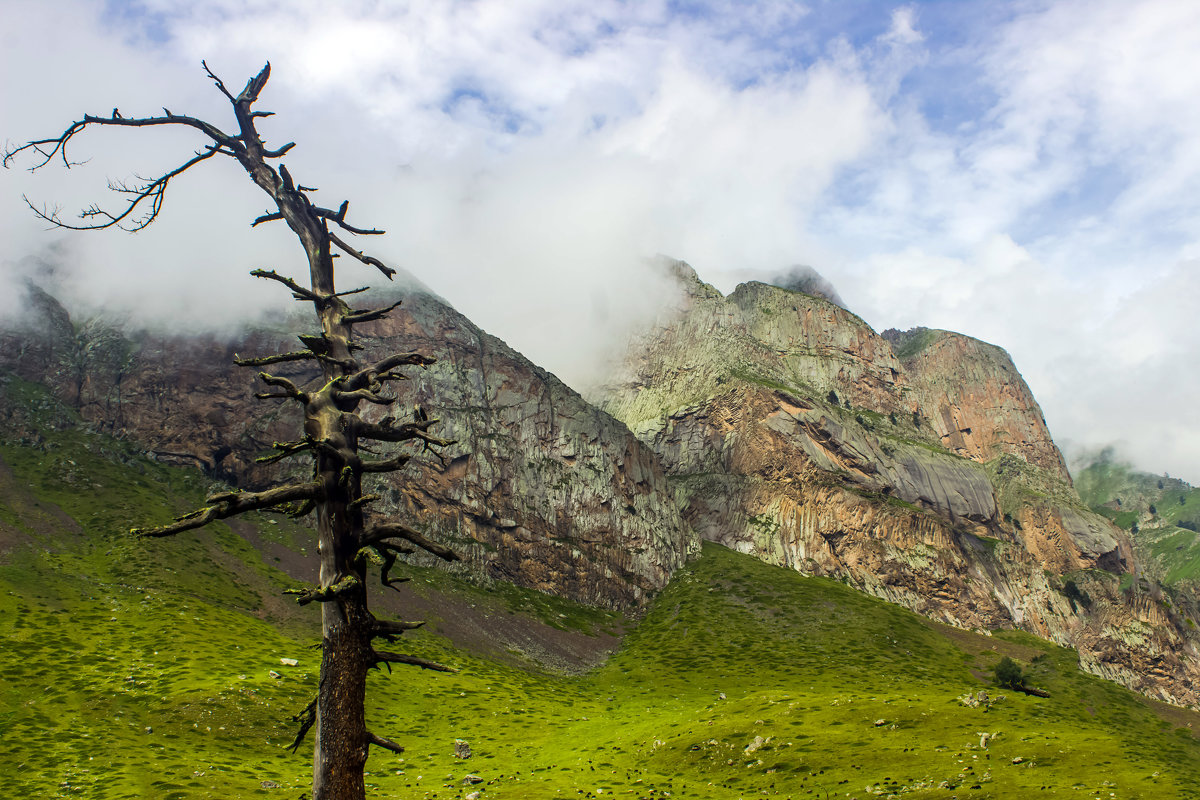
<point x="268" y="784"/>
<point x="755" y="745"/>
<point x="473" y="796"/>
<point x="288" y="662"/>
<point x="984" y="738"/>
<point x="982" y="700"/>
<point x="1018" y="760"/>
<point x="879" y="723"/>
<point x="462" y="749"/>
<point x="274" y="674"/>
<point x="472" y="779"/>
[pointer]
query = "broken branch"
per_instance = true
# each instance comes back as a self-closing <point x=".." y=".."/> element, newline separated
<point x="229" y="504"/>
<point x="369" y="375"/>
<point x="386" y="744"/>
<point x="307" y="718"/>
<point x="263" y="361"/>
<point x="394" y="530"/>
<point x="370" y="315"/>
<point x="387" y="271"/>
<point x="401" y="658"/>
<point x="325" y="594"/>
<point x="300" y="292"/>
<point x="390" y="465"/>
<point x="290" y="389"/>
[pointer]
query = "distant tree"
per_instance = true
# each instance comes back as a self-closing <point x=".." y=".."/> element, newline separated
<point x="832" y="397"/>
<point x="1075" y="594"/>
<point x="1008" y="674"/>
<point x="332" y="430"/>
<point x="1153" y="510"/>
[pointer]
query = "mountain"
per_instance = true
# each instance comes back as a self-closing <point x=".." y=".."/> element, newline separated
<point x="541" y="489"/>
<point x="173" y="669"/>
<point x="1161" y="513"/>
<point x="915" y="466"/>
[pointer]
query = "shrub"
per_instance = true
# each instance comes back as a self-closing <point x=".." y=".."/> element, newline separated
<point x="1008" y="674"/>
<point x="1075" y="594"/>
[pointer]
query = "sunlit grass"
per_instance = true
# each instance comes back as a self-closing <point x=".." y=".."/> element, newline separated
<point x="137" y="669"/>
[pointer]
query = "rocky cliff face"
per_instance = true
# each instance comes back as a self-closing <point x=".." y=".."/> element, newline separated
<point x="916" y="466"/>
<point x="541" y="489"/>
<point x="919" y="469"/>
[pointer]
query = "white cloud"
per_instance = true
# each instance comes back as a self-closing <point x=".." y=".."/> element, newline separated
<point x="526" y="156"/>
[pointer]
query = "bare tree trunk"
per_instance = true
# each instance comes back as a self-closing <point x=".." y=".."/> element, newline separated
<point x="332" y="429"/>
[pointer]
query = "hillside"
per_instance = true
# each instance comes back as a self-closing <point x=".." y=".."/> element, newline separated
<point x="1161" y="513"/>
<point x="145" y="668"/>
<point x="541" y="488"/>
<point x="915" y="466"/>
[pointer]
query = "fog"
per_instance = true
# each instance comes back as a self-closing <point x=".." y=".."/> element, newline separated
<point x="1022" y="173"/>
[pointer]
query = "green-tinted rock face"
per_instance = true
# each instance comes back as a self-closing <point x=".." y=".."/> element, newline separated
<point x="541" y="489"/>
<point x="917" y="467"/>
<point x="1161" y="513"/>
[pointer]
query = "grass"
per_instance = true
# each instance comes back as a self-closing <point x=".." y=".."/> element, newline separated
<point x="1159" y="506"/>
<point x="917" y="340"/>
<point x="144" y="669"/>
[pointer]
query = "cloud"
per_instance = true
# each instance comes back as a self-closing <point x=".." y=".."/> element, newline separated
<point x="1024" y="175"/>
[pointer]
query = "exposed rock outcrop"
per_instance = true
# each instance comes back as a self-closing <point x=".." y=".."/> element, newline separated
<point x="541" y="489"/>
<point x="919" y="469"/>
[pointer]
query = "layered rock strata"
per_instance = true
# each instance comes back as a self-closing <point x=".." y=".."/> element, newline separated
<point x="919" y="469"/>
<point x="540" y="489"/>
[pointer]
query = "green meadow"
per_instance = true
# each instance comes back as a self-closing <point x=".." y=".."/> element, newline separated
<point x="152" y="669"/>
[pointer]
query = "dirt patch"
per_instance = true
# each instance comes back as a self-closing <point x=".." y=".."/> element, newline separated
<point x="475" y="623"/>
<point x="38" y="520"/>
<point x="976" y="643"/>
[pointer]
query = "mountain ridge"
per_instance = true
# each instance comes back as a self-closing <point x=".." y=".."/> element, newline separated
<point x="785" y="427"/>
<point x="793" y="432"/>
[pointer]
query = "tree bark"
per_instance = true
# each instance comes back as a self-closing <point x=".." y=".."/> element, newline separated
<point x="331" y="425"/>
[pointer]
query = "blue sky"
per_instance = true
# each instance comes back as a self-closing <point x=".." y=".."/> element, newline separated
<point x="1023" y="172"/>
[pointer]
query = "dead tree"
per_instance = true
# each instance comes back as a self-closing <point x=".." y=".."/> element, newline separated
<point x="332" y="431"/>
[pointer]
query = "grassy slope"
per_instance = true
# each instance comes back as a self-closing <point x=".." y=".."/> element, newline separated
<point x="142" y="669"/>
<point x="1174" y="549"/>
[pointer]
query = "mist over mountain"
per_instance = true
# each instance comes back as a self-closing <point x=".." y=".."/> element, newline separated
<point x="916" y="466"/>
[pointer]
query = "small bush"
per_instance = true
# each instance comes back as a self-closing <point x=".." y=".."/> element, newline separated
<point x="1008" y="674"/>
<point x="1075" y="594"/>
